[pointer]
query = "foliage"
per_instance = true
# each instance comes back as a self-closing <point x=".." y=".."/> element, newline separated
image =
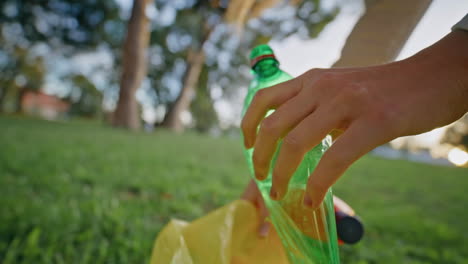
<point x="66" y="28"/>
<point x="86" y="99"/>
<point x="78" y="25"/>
<point x="199" y="25"/>
<point x="60" y="27"/>
<point x="83" y="193"/>
<point x="20" y="70"/>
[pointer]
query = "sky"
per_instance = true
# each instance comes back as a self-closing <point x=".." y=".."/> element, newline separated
<point x="297" y="56"/>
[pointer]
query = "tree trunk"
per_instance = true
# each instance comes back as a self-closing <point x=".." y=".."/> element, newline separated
<point x="195" y="63"/>
<point x="134" y="67"/>
<point x="202" y="106"/>
<point x="381" y="32"/>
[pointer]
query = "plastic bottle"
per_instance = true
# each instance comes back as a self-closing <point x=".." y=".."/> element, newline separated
<point x="308" y="236"/>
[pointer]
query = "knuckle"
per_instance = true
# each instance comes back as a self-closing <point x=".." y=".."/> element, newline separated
<point x="327" y="78"/>
<point x="356" y="93"/>
<point x="293" y="143"/>
<point x="326" y="83"/>
<point x="259" y="96"/>
<point x="384" y="115"/>
<point x="312" y="73"/>
<point x="387" y="118"/>
<point x="339" y="104"/>
<point x="269" y="125"/>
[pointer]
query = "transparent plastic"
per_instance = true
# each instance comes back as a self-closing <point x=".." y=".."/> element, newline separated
<point x="308" y="236"/>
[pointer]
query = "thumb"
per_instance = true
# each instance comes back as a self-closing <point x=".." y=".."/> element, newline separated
<point x="265" y="225"/>
<point x="264" y="229"/>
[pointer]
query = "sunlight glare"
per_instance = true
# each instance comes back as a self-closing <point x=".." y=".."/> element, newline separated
<point x="458" y="157"/>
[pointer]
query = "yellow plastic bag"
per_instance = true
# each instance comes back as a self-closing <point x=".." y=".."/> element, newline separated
<point x="227" y="235"/>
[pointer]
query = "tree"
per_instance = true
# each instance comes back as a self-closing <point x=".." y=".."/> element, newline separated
<point x="22" y="71"/>
<point x="186" y="38"/>
<point x="213" y="37"/>
<point x="369" y="45"/>
<point x="85" y="98"/>
<point x="195" y="61"/>
<point x="64" y="26"/>
<point x="202" y="108"/>
<point x="134" y="66"/>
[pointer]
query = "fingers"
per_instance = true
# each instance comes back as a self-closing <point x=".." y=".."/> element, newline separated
<point x="264" y="100"/>
<point x="265" y="226"/>
<point x="264" y="229"/>
<point x="356" y="141"/>
<point x="251" y="192"/>
<point x="301" y="139"/>
<point x="275" y="127"/>
<point x="253" y="195"/>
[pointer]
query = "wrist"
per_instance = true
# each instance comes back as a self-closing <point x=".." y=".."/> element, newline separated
<point x="454" y="53"/>
<point x="447" y="60"/>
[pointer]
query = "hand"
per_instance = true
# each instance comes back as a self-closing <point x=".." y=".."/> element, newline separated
<point x="252" y="194"/>
<point x="372" y="105"/>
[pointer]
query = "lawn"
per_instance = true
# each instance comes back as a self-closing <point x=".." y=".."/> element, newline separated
<point x="81" y="192"/>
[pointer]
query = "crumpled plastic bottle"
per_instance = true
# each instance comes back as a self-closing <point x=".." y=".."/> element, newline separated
<point x="308" y="236"/>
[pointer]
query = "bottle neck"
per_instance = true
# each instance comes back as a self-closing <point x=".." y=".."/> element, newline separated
<point x="266" y="68"/>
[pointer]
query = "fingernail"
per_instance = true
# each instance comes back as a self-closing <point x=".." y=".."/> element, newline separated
<point x="259" y="175"/>
<point x="307" y="201"/>
<point x="250" y="143"/>
<point x="264" y="229"/>
<point x="246" y="142"/>
<point x="273" y="194"/>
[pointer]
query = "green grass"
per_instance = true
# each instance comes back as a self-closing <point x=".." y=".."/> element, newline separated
<point x="84" y="193"/>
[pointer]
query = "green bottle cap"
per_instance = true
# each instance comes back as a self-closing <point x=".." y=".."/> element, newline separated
<point x="261" y="52"/>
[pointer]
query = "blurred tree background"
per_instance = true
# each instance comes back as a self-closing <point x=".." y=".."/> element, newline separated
<point x="174" y="59"/>
<point x="38" y="35"/>
<point x="175" y="64"/>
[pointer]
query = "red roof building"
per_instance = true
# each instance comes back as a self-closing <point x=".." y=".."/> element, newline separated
<point x="44" y="105"/>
